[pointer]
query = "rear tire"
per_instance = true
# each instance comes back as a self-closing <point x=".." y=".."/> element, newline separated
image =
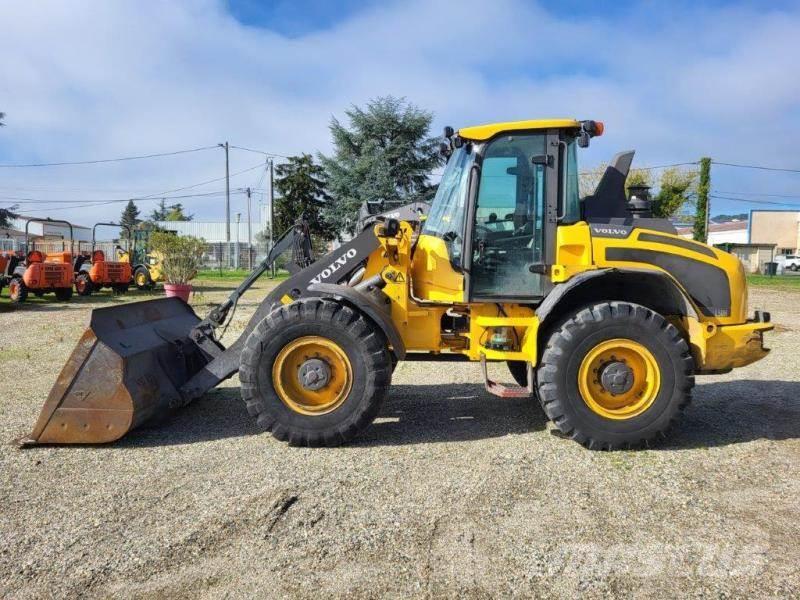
<point x="83" y="285"/>
<point x="17" y="291"/>
<point x="629" y="346"/>
<point x="519" y="371"/>
<point x="291" y="417"/>
<point x="64" y="294"/>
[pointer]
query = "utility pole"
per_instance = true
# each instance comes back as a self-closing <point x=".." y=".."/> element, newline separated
<point x="227" y="199"/>
<point x="703" y="208"/>
<point x="271" y="209"/>
<point x="236" y="245"/>
<point x="249" y="235"/>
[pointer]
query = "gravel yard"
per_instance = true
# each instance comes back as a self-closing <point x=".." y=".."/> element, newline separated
<point x="452" y="492"/>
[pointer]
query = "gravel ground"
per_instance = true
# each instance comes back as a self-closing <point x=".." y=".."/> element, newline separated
<point x="451" y="492"/>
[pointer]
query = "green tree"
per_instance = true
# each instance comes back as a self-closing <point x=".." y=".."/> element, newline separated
<point x="703" y="187"/>
<point x="6" y="214"/>
<point x="384" y="154"/>
<point x="300" y="184"/>
<point x="675" y="187"/>
<point x="175" y="213"/>
<point x="130" y="216"/>
<point x="675" y="190"/>
<point x="160" y="212"/>
<point x="2" y="116"/>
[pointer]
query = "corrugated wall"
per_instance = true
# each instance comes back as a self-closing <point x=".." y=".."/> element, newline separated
<point x="210" y="231"/>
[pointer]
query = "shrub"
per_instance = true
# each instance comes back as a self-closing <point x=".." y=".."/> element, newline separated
<point x="181" y="255"/>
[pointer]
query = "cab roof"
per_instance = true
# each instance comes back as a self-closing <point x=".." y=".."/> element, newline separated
<point x="484" y="132"/>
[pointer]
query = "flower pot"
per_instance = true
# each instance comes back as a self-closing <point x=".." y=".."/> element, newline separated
<point x="178" y="290"/>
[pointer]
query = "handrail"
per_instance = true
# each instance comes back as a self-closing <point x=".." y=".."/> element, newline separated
<point x="109" y="224"/>
<point x="49" y="220"/>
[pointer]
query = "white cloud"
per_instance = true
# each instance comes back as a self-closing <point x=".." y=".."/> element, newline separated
<point x="84" y="79"/>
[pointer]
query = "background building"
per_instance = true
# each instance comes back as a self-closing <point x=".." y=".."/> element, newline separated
<point x="779" y="227"/>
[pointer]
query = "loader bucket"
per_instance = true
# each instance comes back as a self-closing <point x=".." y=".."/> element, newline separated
<point x="127" y="369"/>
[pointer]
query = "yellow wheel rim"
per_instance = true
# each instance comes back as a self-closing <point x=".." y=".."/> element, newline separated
<point x="619" y="379"/>
<point x="312" y="375"/>
<point x="141" y="279"/>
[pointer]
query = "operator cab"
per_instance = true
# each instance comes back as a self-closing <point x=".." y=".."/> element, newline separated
<point x="504" y="190"/>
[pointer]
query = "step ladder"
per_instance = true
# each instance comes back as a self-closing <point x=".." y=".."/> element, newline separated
<point x="507" y="391"/>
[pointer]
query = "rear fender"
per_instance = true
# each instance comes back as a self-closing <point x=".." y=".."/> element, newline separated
<point x="654" y="289"/>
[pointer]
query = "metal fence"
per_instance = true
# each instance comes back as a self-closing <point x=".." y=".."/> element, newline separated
<point x="218" y="255"/>
<point x="222" y="255"/>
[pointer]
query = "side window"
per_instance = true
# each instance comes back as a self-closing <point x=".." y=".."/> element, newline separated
<point x="571" y="210"/>
<point x="509" y="217"/>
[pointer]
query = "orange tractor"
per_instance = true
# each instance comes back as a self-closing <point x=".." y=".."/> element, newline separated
<point x="94" y="272"/>
<point x="39" y="272"/>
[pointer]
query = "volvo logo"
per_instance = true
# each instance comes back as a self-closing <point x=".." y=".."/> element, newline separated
<point x="610" y="231"/>
<point x="334" y="266"/>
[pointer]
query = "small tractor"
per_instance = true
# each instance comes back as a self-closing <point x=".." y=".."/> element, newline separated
<point x="147" y="266"/>
<point x="94" y="272"/>
<point x="38" y="272"/>
<point x="601" y="312"/>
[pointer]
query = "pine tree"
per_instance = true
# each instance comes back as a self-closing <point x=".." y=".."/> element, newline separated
<point x="301" y="183"/>
<point x="384" y="154"/>
<point x="175" y="213"/>
<point x="160" y="212"/>
<point x="130" y="216"/>
<point x="6" y="214"/>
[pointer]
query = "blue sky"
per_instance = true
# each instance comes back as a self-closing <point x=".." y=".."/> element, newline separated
<point x="674" y="80"/>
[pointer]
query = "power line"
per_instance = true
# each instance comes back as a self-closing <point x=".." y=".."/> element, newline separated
<point x="760" y="167"/>
<point x="750" y="201"/>
<point x="260" y="152"/>
<point x="759" y="194"/>
<point x="681" y="164"/>
<point x="18" y="200"/>
<point x="157" y="196"/>
<point x="106" y="160"/>
<point x="207" y="195"/>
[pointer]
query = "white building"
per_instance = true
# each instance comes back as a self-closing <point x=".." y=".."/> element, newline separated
<point x="50" y="231"/>
<point x="732" y="232"/>
<point x="214" y="232"/>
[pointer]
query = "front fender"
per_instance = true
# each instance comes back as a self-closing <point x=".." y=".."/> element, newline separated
<point x="366" y="305"/>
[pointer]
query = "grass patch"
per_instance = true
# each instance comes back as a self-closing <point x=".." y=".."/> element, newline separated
<point x="779" y="281"/>
<point x="231" y="275"/>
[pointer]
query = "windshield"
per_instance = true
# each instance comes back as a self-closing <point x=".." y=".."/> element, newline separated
<point x="446" y="217"/>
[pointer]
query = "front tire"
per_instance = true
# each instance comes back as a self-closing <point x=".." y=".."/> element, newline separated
<point x="17" y="291"/>
<point x="142" y="280"/>
<point x="351" y="367"/>
<point x="615" y="375"/>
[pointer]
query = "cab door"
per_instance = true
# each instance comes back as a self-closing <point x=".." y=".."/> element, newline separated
<point x="513" y="218"/>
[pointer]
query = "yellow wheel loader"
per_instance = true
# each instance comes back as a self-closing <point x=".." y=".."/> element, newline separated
<point x="600" y="311"/>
